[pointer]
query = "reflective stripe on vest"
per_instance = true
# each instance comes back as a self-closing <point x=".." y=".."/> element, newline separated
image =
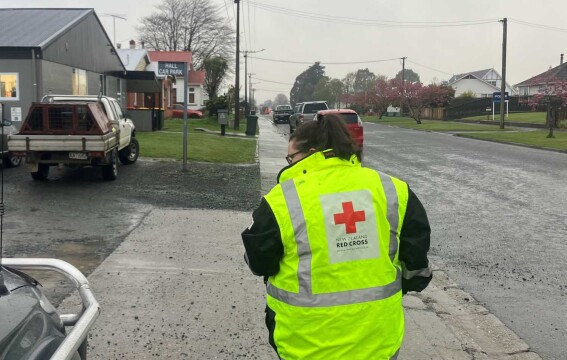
<point x="305" y="297"/>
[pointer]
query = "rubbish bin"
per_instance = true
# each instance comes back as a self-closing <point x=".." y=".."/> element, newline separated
<point x="251" y="124"/>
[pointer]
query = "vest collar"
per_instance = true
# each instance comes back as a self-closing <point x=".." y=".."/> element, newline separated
<point x="315" y="162"/>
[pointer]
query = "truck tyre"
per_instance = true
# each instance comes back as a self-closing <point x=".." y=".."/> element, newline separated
<point x="11" y="161"/>
<point x="42" y="172"/>
<point x="130" y="153"/>
<point x="110" y="171"/>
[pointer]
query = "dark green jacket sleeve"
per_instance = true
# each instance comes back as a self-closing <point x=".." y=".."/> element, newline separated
<point x="414" y="245"/>
<point x="262" y="241"/>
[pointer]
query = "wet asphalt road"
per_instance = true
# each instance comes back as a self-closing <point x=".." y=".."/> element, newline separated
<point x="77" y="217"/>
<point x="499" y="222"/>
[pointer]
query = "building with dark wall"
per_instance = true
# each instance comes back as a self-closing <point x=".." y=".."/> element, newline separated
<point x="55" y="51"/>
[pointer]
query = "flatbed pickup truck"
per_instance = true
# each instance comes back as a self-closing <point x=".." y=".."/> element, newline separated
<point x="282" y="114"/>
<point x="75" y="131"/>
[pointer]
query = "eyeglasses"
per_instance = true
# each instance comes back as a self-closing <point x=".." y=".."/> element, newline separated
<point x="289" y="157"/>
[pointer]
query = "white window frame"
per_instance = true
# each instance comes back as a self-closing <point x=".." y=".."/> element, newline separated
<point x="17" y="97"/>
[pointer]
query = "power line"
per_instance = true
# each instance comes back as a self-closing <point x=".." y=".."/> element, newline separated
<point x="323" y="62"/>
<point x="368" y="22"/>
<point x="430" y="68"/>
<point x="539" y="26"/>
<point x="271" y="81"/>
<point x="249" y="32"/>
<point x="228" y="18"/>
<point x="276" y="91"/>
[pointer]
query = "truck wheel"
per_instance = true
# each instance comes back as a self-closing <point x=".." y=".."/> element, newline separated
<point x="11" y="161"/>
<point x="130" y="153"/>
<point x="110" y="171"/>
<point x="42" y="172"/>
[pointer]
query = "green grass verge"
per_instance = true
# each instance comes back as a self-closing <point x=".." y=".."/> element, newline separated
<point x="527" y="117"/>
<point x="431" y="125"/>
<point x="200" y="147"/>
<point x="209" y="123"/>
<point x="533" y="138"/>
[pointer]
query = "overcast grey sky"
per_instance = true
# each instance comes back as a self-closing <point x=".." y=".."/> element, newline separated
<point x="325" y="30"/>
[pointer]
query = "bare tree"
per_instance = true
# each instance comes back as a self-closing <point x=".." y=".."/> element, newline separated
<point x="189" y="25"/>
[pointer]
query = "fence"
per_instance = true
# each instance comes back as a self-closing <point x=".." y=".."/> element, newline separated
<point x="463" y="108"/>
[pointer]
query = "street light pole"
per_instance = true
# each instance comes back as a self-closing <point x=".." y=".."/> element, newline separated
<point x="237" y="78"/>
<point x="114" y="16"/>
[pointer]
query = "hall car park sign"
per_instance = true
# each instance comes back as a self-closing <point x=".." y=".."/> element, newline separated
<point x="171" y="68"/>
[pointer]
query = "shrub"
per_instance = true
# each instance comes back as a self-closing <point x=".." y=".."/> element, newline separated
<point x="220" y="102"/>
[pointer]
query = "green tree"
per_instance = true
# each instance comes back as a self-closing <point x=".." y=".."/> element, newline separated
<point x="329" y="90"/>
<point x="281" y="99"/>
<point x="305" y="83"/>
<point x="363" y="81"/>
<point x="409" y="76"/>
<point x="468" y="94"/>
<point x="215" y="68"/>
<point x="348" y="92"/>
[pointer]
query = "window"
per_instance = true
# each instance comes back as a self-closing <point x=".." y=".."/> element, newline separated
<point x="313" y="108"/>
<point x="491" y="82"/>
<point x="9" y="86"/>
<point x="525" y="91"/>
<point x="79" y="82"/>
<point x="191" y="98"/>
<point x="60" y="118"/>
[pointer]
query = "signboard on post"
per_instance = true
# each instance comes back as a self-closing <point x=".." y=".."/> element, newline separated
<point x="178" y="69"/>
<point x="171" y="68"/>
<point x="496" y="97"/>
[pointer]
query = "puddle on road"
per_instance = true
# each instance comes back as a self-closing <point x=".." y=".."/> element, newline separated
<point x="85" y="256"/>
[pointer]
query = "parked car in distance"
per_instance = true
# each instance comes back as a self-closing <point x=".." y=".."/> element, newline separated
<point x="353" y="121"/>
<point x="304" y="112"/>
<point x="282" y="113"/>
<point x="191" y="114"/>
<point x="8" y="159"/>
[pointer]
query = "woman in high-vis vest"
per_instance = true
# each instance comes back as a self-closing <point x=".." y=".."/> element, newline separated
<point x="338" y="245"/>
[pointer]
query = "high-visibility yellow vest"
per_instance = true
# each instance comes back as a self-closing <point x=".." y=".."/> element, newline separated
<point x="338" y="292"/>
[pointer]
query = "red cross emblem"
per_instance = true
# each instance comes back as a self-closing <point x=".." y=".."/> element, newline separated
<point x="349" y="217"/>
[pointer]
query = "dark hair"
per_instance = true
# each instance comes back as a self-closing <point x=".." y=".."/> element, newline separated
<point x="326" y="132"/>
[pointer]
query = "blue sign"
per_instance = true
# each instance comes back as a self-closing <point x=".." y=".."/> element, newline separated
<point x="496" y="97"/>
<point x="171" y="68"/>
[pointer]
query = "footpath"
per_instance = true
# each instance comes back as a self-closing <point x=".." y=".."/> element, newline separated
<point x="178" y="288"/>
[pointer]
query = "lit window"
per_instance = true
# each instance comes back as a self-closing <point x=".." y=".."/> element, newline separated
<point x="79" y="82"/>
<point x="9" y="87"/>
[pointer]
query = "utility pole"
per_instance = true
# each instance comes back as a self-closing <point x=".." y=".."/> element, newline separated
<point x="246" y="52"/>
<point x="503" y="86"/>
<point x="404" y="72"/>
<point x="403" y="85"/>
<point x="252" y="90"/>
<point x="237" y="78"/>
<point x="250" y="83"/>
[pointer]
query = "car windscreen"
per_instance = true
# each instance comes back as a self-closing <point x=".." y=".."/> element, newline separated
<point x="313" y="108"/>
<point x="350" y="118"/>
